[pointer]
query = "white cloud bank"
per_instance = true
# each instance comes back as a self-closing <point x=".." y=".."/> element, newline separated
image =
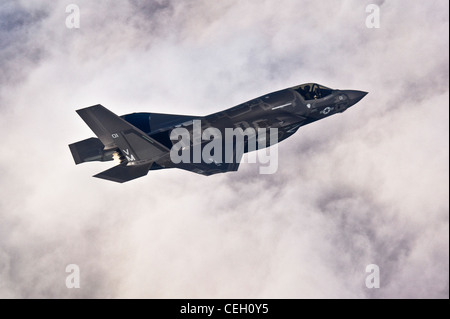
<point x="368" y="186"/>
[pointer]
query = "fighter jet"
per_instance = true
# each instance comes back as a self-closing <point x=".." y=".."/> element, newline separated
<point x="141" y="142"/>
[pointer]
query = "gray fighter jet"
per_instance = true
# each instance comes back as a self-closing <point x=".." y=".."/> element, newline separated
<point x="145" y="141"/>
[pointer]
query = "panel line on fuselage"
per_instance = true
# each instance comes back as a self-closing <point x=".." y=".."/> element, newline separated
<point x="281" y="106"/>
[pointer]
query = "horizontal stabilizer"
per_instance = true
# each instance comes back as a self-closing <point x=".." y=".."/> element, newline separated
<point x="124" y="173"/>
<point x="89" y="150"/>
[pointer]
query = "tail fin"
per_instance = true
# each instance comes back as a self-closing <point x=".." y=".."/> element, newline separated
<point x="137" y="148"/>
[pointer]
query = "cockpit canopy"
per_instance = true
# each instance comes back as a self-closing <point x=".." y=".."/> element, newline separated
<point x="313" y="91"/>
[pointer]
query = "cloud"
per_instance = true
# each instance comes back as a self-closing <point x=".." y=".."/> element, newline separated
<point x="368" y="186"/>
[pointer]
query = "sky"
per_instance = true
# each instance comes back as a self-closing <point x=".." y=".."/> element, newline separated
<point x="368" y="186"/>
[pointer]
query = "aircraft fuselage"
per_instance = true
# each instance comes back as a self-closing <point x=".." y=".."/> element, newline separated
<point x="145" y="141"/>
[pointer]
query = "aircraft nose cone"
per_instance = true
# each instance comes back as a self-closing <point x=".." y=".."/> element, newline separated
<point x="355" y="96"/>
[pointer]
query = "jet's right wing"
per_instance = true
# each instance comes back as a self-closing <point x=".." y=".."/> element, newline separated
<point x="137" y="148"/>
<point x="211" y="167"/>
